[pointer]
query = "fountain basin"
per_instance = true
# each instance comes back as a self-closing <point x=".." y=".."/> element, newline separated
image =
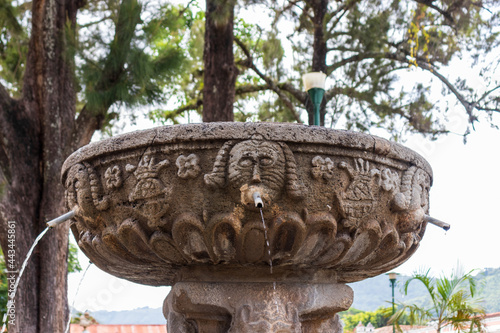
<point x="155" y="204"/>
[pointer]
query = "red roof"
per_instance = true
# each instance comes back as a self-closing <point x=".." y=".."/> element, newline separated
<point x="75" y="328"/>
<point x="490" y="315"/>
<point x="404" y="328"/>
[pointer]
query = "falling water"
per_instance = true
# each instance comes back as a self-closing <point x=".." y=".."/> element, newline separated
<point x="23" y="267"/>
<point x="267" y="241"/>
<point x="274" y="296"/>
<point x="270" y="259"/>
<point x="74" y="298"/>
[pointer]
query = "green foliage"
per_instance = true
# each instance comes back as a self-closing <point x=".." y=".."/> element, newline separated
<point x="454" y="302"/>
<point x="83" y="317"/>
<point x="185" y="87"/>
<point x="141" y="59"/>
<point x="73" y="263"/>
<point x="488" y="282"/>
<point x="378" y="318"/>
<point x="13" y="45"/>
<point x="127" y="56"/>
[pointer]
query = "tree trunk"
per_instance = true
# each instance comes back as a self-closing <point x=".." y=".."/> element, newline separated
<point x="37" y="135"/>
<point x="220" y="70"/>
<point x="319" y="8"/>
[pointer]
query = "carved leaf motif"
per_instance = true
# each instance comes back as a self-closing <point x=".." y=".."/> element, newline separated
<point x="111" y="248"/>
<point x="287" y="235"/>
<point x="188" y="234"/>
<point x="321" y="231"/>
<point x="134" y="239"/>
<point x="366" y="240"/>
<point x="163" y="246"/>
<point x="335" y="250"/>
<point x="253" y="243"/>
<point x="224" y="233"/>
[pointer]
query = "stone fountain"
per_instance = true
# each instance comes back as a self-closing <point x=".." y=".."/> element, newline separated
<point x="257" y="227"/>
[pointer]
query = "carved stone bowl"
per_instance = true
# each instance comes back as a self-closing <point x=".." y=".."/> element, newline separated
<point x="176" y="203"/>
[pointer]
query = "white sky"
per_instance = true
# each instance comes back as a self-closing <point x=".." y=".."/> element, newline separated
<point x="464" y="194"/>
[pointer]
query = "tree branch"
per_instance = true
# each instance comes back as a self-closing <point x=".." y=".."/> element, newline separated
<point x="278" y="13"/>
<point x="300" y="95"/>
<point x="359" y="57"/>
<point x="423" y="64"/>
<point x="249" y="88"/>
<point x="95" y="22"/>
<point x="85" y="125"/>
<point x="343" y="9"/>
<point x="469" y="106"/>
<point x="430" y="4"/>
<point x="249" y="63"/>
<point x="486" y="95"/>
<point x="185" y="8"/>
<point x="188" y="107"/>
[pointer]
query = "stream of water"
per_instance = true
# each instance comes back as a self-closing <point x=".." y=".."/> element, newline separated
<point x="74" y="298"/>
<point x="16" y="284"/>
<point x="270" y="258"/>
<point x="267" y="242"/>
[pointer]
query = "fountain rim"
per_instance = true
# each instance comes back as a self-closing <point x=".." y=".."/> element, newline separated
<point x="285" y="132"/>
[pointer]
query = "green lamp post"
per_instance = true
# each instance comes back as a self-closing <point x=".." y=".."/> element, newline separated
<point x="392" y="278"/>
<point x="314" y="84"/>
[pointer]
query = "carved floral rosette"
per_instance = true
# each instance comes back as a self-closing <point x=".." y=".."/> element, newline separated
<point x="155" y="204"/>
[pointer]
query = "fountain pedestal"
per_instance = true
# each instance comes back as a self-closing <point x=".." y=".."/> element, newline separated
<point x="216" y="307"/>
<point x="177" y="206"/>
<point x="239" y="299"/>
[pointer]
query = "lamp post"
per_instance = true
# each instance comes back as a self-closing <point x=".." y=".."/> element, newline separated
<point x="392" y="278"/>
<point x="314" y="84"/>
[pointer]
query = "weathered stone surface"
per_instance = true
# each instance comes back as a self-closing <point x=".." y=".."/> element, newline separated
<point x="176" y="206"/>
<point x="256" y="307"/>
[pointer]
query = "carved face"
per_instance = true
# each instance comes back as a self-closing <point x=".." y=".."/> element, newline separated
<point x="257" y="163"/>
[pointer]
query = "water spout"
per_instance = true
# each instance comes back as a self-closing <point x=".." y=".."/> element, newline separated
<point x="436" y="222"/>
<point x="257" y="199"/>
<point x="61" y="219"/>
